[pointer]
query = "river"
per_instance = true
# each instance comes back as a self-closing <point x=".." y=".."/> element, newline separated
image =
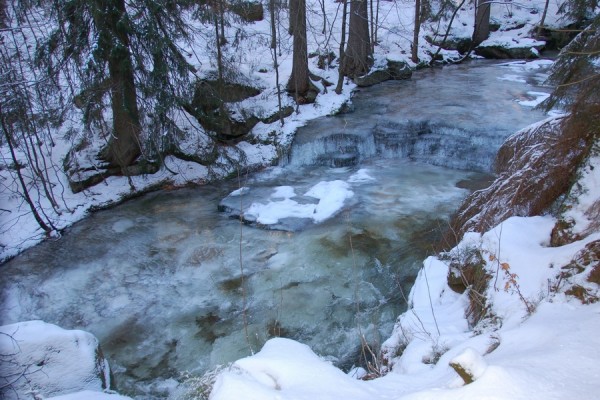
<point x="171" y="285"/>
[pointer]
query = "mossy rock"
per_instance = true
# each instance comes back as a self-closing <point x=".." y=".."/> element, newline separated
<point x="395" y="70"/>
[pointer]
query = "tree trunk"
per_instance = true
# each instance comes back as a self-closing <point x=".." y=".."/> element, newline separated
<point x="340" y="82"/>
<point x="543" y="20"/>
<point x="293" y="11"/>
<point x="299" y="80"/>
<point x="123" y="147"/>
<point x="275" y="62"/>
<point x="415" y="44"/>
<point x="482" y="22"/>
<point x="358" y="55"/>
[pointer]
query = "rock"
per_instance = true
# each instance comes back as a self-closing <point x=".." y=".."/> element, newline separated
<point x="501" y="52"/>
<point x="460" y="44"/>
<point x="469" y="365"/>
<point x="534" y="166"/>
<point x="395" y="70"/>
<point x="45" y="360"/>
<point x="248" y="11"/>
<point x="325" y="60"/>
<point x="83" y="173"/>
<point x="210" y="109"/>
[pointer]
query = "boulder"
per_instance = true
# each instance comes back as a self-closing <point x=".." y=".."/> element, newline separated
<point x="44" y="360"/>
<point x="394" y="70"/>
<point x="501" y="52"/>
<point x="460" y="44"/>
<point x="209" y="106"/>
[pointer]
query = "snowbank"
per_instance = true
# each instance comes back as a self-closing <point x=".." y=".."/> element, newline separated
<point x="42" y="359"/>
<point x="515" y="355"/>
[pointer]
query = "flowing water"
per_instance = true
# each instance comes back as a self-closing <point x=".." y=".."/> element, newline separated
<point x="163" y="280"/>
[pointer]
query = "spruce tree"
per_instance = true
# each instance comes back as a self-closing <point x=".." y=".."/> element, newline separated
<point x="128" y="53"/>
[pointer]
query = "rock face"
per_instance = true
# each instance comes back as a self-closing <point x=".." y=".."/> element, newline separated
<point x="41" y="359"/>
<point x="534" y="166"/>
<point x="395" y="70"/>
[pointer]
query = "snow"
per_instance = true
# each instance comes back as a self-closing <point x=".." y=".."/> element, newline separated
<point x="528" y="356"/>
<point x="538" y="98"/>
<point x="538" y="342"/>
<point x="285" y="369"/>
<point x="330" y="197"/>
<point x="43" y="358"/>
<point x="547" y="343"/>
<point x="471" y="362"/>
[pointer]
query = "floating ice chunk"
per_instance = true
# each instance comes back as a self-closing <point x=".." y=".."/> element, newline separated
<point x="283" y="192"/>
<point x="361" y="176"/>
<point x="329" y="199"/>
<point x="332" y="196"/>
<point x="273" y="211"/>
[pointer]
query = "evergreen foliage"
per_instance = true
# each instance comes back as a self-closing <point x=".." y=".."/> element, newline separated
<point x="576" y="72"/>
<point x="579" y="10"/>
<point x="107" y="44"/>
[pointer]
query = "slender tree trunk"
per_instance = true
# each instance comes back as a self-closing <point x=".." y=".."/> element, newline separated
<point x="372" y="21"/>
<point x="447" y="31"/>
<point x="26" y="195"/>
<point x="358" y="52"/>
<point x="123" y="148"/>
<point x="299" y="79"/>
<point x="482" y="22"/>
<point x="322" y="3"/>
<point x="376" y="28"/>
<point x="222" y="39"/>
<point x="543" y="20"/>
<point x="415" y="44"/>
<point x="275" y="62"/>
<point x="341" y="68"/>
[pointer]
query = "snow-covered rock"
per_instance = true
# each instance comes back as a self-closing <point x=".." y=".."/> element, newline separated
<point x="286" y="369"/>
<point x="42" y="359"/>
<point x="534" y="166"/>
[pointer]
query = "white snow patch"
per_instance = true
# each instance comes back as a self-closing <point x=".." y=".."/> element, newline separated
<point x="330" y="195"/>
<point x="538" y="98"/>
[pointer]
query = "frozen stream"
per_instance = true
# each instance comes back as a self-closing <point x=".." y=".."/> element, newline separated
<point x="159" y="279"/>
